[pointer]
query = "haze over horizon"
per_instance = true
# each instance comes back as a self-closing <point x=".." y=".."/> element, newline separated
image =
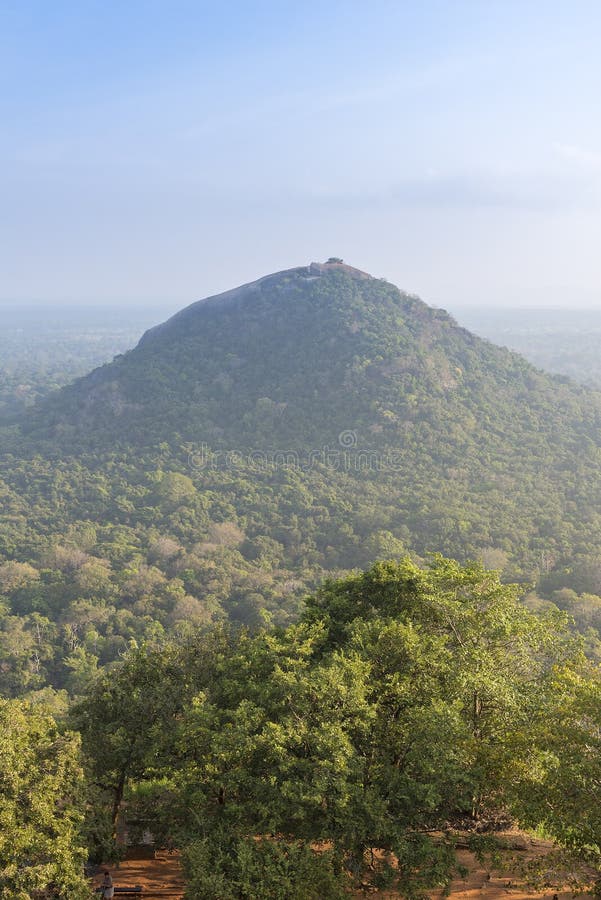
<point x="159" y="153"/>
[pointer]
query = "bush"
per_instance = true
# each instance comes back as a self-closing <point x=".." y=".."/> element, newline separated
<point x="251" y="869"/>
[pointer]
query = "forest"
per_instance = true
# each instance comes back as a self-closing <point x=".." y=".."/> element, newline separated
<point x="348" y="749"/>
<point x="305" y="585"/>
<point x="118" y="527"/>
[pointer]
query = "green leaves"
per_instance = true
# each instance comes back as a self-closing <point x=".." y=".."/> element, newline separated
<point x="391" y="712"/>
<point x="255" y="869"/>
<point x="407" y="702"/>
<point x="41" y="806"/>
<point x="562" y="777"/>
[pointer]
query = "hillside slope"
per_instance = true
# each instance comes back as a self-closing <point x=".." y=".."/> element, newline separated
<point x="344" y="378"/>
<point x="306" y="424"/>
<point x="292" y="359"/>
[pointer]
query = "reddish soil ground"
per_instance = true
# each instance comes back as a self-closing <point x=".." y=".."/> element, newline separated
<point x="161" y="877"/>
<point x="505" y="883"/>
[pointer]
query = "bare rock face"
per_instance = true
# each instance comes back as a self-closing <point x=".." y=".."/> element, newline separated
<point x="336" y="265"/>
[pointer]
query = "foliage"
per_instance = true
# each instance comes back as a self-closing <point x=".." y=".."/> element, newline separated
<point x="250" y="869"/>
<point x="126" y="721"/>
<point x="120" y="717"/>
<point x="201" y="477"/>
<point x="407" y="701"/>
<point x="563" y="779"/>
<point x="40" y="807"/>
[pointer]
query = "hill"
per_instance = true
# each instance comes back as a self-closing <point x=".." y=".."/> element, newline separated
<point x="291" y="360"/>
<point x="324" y="370"/>
<point x="305" y="424"/>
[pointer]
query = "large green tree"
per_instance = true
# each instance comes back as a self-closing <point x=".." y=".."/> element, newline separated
<point x="127" y="721"/>
<point x="493" y="654"/>
<point x="391" y="712"/>
<point x="305" y="761"/>
<point x="122" y="719"/>
<point x="563" y="774"/>
<point x="41" y="800"/>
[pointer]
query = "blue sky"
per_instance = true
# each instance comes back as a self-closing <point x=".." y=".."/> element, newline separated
<point x="156" y="152"/>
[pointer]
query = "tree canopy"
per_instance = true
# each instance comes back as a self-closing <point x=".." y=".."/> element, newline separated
<point x="408" y="702"/>
<point x="41" y="807"/>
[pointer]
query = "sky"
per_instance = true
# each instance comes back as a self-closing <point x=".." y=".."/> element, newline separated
<point x="158" y="152"/>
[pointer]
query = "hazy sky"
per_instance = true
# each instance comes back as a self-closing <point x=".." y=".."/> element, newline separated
<point x="161" y="151"/>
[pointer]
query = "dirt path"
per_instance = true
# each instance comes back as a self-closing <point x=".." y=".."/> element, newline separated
<point x="162" y="877"/>
<point x="504" y="883"/>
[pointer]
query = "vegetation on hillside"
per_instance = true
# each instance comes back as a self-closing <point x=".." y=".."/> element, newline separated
<point x="258" y="442"/>
<point x="161" y="522"/>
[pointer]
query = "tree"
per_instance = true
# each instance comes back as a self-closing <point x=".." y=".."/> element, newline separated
<point x="175" y="489"/>
<point x="497" y="651"/>
<point x="128" y="717"/>
<point x="392" y="711"/>
<point x="408" y="700"/>
<point x="41" y="800"/>
<point x="562" y="771"/>
<point x="119" y="719"/>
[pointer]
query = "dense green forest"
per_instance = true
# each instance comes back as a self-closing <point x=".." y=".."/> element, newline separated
<point x="346" y="750"/>
<point x="305" y="425"/>
<point x="97" y="556"/>
<point x="182" y="534"/>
